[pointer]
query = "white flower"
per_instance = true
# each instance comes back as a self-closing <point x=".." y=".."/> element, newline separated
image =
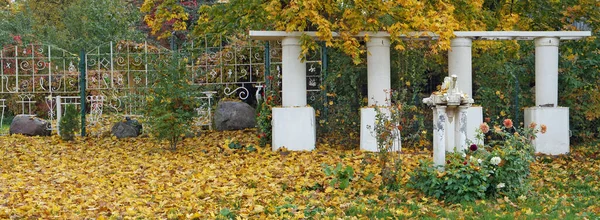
<point x="495" y="160"/>
<point x="463" y="154"/>
<point x="479" y="161"/>
<point x="522" y="197"/>
<point x="473" y="159"/>
<point x="500" y="185"/>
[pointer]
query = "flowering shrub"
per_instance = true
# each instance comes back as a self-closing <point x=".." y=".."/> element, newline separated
<point x="498" y="168"/>
<point x="264" y="115"/>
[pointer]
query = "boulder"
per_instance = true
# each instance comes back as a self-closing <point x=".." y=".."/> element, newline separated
<point x="127" y="128"/>
<point x="29" y="125"/>
<point x="232" y="115"/>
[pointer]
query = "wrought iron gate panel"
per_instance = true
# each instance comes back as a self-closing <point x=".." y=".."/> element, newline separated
<point x="229" y="64"/>
<point x="120" y="72"/>
<point x="38" y="68"/>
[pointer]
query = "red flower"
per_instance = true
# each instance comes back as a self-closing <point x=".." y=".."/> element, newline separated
<point x="507" y="123"/>
<point x="485" y="128"/>
<point x="473" y="147"/>
<point x="17" y="39"/>
<point x="465" y="163"/>
<point x="543" y="128"/>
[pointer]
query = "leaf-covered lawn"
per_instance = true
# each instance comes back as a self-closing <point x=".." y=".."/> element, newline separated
<point x="97" y="178"/>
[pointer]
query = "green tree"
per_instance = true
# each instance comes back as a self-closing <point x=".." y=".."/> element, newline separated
<point x="171" y="102"/>
<point x="73" y="25"/>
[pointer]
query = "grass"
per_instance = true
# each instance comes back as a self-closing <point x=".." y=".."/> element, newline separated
<point x="136" y="178"/>
<point x="4" y="128"/>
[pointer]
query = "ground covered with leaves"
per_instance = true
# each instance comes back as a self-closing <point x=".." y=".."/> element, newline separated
<point x="207" y="177"/>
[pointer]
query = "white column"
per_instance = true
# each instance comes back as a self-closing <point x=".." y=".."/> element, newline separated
<point x="546" y="71"/>
<point x="459" y="64"/>
<point x="378" y="70"/>
<point x="294" y="73"/>
<point x="439" y="135"/>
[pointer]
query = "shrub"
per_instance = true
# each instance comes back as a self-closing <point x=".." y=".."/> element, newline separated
<point x="500" y="168"/>
<point x="263" y="119"/>
<point x="69" y="123"/>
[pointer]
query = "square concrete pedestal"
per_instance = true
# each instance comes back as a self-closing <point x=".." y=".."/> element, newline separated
<point x="294" y="128"/>
<point x="368" y="141"/>
<point x="556" y="139"/>
<point x="474" y="119"/>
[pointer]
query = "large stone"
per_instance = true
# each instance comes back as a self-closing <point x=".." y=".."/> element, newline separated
<point x="231" y="115"/>
<point x="30" y="126"/>
<point x="128" y="128"/>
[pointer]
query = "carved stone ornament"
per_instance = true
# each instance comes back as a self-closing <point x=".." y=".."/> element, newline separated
<point x="449" y="95"/>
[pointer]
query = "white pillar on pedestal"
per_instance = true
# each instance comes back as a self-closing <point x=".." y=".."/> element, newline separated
<point x="379" y="85"/>
<point x="460" y="64"/>
<point x="293" y="124"/>
<point x="546" y="71"/>
<point x="556" y="139"/>
<point x="378" y="71"/>
<point x="294" y="73"/>
<point x="439" y="135"/>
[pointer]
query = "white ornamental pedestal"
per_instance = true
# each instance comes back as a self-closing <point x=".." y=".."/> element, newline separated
<point x="293" y="124"/>
<point x="450" y="120"/>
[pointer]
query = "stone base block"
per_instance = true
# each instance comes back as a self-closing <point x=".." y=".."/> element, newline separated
<point x="556" y="139"/>
<point x="294" y="128"/>
<point x="368" y="140"/>
<point x="474" y="119"/>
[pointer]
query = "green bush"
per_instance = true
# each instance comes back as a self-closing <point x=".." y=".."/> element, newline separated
<point x="500" y="168"/>
<point x="69" y="123"/>
<point x="341" y="176"/>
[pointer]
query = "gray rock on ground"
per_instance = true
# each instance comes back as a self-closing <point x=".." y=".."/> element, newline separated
<point x="232" y="115"/>
<point x="128" y="128"/>
<point x="29" y="125"/>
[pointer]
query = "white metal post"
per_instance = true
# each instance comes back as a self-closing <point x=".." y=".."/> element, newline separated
<point x="58" y="113"/>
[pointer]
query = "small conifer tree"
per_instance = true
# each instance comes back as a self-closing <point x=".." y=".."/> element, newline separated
<point x="171" y="102"/>
<point x="69" y="123"/>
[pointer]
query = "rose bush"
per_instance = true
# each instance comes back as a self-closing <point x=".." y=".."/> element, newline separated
<point x="500" y="167"/>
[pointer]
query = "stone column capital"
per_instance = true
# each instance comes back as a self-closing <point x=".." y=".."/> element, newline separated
<point x="378" y="42"/>
<point x="547" y="42"/>
<point x="290" y="41"/>
<point x="461" y="42"/>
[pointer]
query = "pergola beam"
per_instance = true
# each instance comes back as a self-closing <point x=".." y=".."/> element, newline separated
<point x="427" y="35"/>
